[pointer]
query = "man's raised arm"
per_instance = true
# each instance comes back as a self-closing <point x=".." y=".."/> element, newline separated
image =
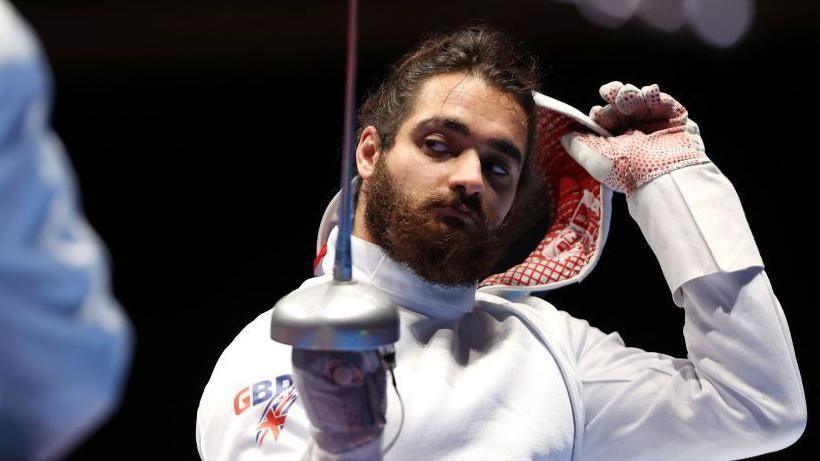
<point x="739" y="392"/>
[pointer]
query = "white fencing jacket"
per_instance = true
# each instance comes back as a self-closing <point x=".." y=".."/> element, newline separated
<point x="493" y="373"/>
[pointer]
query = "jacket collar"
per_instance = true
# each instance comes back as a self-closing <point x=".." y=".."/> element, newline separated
<point x="372" y="265"/>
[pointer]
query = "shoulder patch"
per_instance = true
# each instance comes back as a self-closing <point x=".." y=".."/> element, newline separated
<point x="277" y="401"/>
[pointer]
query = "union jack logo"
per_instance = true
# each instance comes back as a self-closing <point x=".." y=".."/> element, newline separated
<point x="273" y="419"/>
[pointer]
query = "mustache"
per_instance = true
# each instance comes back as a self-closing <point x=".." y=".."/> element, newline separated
<point x="456" y="199"/>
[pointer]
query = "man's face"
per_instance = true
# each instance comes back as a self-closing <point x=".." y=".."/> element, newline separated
<point x="461" y="136"/>
<point x="436" y="199"/>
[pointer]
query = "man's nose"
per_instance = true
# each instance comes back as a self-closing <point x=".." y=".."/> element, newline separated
<point x="467" y="174"/>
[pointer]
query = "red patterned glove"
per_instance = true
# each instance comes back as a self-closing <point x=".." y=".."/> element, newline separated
<point x="657" y="137"/>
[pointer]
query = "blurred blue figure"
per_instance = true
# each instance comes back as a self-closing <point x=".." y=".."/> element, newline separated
<point x="64" y="341"/>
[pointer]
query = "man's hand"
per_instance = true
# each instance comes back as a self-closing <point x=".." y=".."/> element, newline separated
<point x="656" y="136"/>
<point x="344" y="394"/>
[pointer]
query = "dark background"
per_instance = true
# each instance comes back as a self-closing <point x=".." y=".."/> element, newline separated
<point x="206" y="136"/>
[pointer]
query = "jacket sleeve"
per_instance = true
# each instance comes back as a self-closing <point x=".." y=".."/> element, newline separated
<point x="65" y="343"/>
<point x="739" y="392"/>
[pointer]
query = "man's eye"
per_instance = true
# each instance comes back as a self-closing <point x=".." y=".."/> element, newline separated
<point x="498" y="169"/>
<point x="436" y="146"/>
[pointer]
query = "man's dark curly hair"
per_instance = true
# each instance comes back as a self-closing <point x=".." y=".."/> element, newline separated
<point x="476" y="49"/>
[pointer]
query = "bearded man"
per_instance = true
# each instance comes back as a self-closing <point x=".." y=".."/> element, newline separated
<point x="453" y="150"/>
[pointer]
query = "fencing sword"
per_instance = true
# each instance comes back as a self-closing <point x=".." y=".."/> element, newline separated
<point x="339" y="314"/>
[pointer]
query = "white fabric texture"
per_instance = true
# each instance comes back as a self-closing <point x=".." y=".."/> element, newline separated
<point x="523" y="380"/>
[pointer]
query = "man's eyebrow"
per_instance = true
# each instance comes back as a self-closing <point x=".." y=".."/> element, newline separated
<point x="500" y="144"/>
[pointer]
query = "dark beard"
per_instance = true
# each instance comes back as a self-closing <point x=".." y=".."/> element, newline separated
<point x="443" y="250"/>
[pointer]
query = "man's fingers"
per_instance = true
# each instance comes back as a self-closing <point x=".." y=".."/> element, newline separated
<point x="630" y="101"/>
<point x="694" y="136"/>
<point x="652" y="98"/>
<point x="345" y="374"/>
<point x="578" y="146"/>
<point x="345" y="368"/>
<point x="627" y="103"/>
<point x="371" y="361"/>
<point x="671" y="109"/>
<point x="609" y="91"/>
<point x="607" y="117"/>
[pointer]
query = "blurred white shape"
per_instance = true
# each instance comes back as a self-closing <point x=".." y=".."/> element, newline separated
<point x="608" y="13"/>
<point x="666" y="15"/>
<point x="720" y="23"/>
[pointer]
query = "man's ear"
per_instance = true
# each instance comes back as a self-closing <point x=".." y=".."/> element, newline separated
<point x="368" y="151"/>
